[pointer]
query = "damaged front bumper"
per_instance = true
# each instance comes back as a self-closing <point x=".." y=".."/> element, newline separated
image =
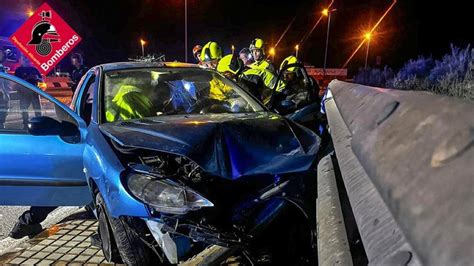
<point x="174" y="234"/>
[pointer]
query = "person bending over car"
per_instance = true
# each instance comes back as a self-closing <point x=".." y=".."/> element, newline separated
<point x="259" y="82"/>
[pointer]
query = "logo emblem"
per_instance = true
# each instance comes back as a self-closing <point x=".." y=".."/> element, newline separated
<point x="43" y="34"/>
<point x="45" y="38"/>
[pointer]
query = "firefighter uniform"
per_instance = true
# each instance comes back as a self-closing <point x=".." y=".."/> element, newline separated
<point x="259" y="82"/>
<point x="130" y="102"/>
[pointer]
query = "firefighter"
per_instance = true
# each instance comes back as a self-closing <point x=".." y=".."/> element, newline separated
<point x="246" y="56"/>
<point x="259" y="82"/>
<point x="290" y="75"/>
<point x="78" y="71"/>
<point x="197" y="53"/>
<point x="257" y="48"/>
<point x="295" y="82"/>
<point x="129" y="102"/>
<point x="211" y="53"/>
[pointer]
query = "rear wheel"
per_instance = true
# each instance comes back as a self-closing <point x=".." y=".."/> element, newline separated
<point x="120" y="237"/>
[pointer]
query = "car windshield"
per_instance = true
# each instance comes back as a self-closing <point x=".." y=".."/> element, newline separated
<point x="149" y="92"/>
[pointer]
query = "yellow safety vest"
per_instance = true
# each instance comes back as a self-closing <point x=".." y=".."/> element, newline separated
<point x="128" y="103"/>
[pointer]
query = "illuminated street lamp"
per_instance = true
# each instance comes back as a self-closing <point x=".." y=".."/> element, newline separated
<point x="297" y="48"/>
<point x="233" y="49"/>
<point x="30" y="13"/>
<point x="327" y="13"/>
<point x="272" y="53"/>
<point x="142" y="42"/>
<point x="367" y="37"/>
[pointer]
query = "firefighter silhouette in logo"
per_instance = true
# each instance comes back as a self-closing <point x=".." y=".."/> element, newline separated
<point x="43" y="34"/>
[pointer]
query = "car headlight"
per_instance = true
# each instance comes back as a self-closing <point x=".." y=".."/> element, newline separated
<point x="165" y="195"/>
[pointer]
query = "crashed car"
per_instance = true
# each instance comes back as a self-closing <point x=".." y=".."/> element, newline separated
<point x="175" y="158"/>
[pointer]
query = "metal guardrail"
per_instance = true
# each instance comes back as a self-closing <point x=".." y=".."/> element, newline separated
<point x="407" y="162"/>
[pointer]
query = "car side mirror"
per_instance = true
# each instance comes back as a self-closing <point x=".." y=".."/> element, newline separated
<point x="46" y="126"/>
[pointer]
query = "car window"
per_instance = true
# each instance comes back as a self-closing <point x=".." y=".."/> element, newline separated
<point x="87" y="99"/>
<point x="75" y="97"/>
<point x="138" y="93"/>
<point x="18" y="104"/>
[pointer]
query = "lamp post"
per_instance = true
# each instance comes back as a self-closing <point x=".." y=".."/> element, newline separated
<point x="297" y="48"/>
<point x="327" y="13"/>
<point x="142" y="42"/>
<point x="186" y="31"/>
<point x="367" y="37"/>
<point x="233" y="49"/>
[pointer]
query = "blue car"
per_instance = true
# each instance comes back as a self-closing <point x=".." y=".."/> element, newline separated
<point x="174" y="158"/>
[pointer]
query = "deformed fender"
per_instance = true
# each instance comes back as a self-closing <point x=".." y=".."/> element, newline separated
<point x="103" y="167"/>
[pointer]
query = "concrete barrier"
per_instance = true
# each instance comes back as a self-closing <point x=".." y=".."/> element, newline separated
<point x="407" y="160"/>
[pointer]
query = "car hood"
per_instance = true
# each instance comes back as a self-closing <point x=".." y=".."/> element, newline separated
<point x="226" y="145"/>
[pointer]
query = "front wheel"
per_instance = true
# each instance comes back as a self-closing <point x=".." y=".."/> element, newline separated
<point x="120" y="238"/>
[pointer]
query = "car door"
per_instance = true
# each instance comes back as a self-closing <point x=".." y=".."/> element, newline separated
<point x="41" y="148"/>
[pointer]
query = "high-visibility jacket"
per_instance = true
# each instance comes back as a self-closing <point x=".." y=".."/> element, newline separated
<point x="263" y="64"/>
<point x="260" y="83"/>
<point x="219" y="90"/>
<point x="130" y="102"/>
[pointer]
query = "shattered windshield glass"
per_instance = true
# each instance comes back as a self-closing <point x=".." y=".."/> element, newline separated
<point x="149" y="92"/>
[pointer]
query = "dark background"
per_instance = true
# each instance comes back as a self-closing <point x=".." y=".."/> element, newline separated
<point x="111" y="29"/>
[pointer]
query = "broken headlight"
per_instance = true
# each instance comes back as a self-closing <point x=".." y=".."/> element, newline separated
<point x="165" y="195"/>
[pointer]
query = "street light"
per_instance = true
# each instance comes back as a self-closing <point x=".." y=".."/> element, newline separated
<point x="233" y="49"/>
<point x="272" y="53"/>
<point x="297" y="48"/>
<point x="30" y="13"/>
<point x="367" y="37"/>
<point x="142" y="42"/>
<point x="327" y="13"/>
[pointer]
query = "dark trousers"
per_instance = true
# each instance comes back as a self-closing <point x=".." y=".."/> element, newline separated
<point x="28" y="98"/>
<point x="35" y="215"/>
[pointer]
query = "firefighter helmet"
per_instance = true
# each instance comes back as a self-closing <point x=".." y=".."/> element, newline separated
<point x="289" y="60"/>
<point x="42" y="30"/>
<point x="211" y="51"/>
<point x="257" y="44"/>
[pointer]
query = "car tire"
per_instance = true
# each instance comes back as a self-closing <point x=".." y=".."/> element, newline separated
<point x="107" y="240"/>
<point x="126" y="239"/>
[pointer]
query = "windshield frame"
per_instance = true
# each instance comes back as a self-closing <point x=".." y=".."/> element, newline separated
<point x="254" y="102"/>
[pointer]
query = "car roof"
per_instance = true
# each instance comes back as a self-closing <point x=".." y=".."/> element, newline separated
<point x="139" y="64"/>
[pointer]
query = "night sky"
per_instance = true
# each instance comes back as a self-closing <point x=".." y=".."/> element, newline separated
<point x="111" y="29"/>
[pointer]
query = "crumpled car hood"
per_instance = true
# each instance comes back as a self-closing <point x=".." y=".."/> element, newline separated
<point x="226" y="145"/>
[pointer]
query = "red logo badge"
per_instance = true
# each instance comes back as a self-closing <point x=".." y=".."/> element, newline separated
<point x="45" y="38"/>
